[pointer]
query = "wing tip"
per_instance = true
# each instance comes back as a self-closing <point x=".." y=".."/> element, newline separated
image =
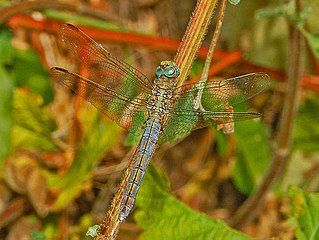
<point x="261" y="76"/>
<point x="70" y="26"/>
<point x="58" y="69"/>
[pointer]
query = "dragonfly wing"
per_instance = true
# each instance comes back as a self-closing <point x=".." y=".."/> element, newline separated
<point x="206" y="104"/>
<point x="204" y="119"/>
<point x="119" y="108"/>
<point x="103" y="68"/>
<point x="182" y="123"/>
<point x="215" y="95"/>
<point x="117" y="89"/>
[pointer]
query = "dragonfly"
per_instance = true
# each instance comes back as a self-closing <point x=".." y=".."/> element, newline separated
<point x="121" y="92"/>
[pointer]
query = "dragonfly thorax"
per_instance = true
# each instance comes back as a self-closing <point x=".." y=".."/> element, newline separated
<point x="160" y="102"/>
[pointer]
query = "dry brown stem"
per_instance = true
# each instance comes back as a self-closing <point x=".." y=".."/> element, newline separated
<point x="251" y="207"/>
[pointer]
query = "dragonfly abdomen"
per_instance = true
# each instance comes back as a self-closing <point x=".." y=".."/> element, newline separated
<point x="144" y="153"/>
<point x="158" y="106"/>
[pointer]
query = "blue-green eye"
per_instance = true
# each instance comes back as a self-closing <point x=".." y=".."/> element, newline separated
<point x="171" y="71"/>
<point x="158" y="72"/>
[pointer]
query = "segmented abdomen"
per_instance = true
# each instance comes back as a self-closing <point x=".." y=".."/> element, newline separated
<point x="144" y="153"/>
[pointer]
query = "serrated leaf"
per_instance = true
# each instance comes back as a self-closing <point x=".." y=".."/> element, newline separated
<point x="252" y="156"/>
<point x="162" y="216"/>
<point x="305" y="212"/>
<point x="33" y="125"/>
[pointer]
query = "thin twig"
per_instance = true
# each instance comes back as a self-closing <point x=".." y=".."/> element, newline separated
<point x="284" y="138"/>
<point x="209" y="57"/>
<point x="213" y="43"/>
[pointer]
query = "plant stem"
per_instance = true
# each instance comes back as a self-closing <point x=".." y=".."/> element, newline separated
<point x="213" y="43"/>
<point x="193" y="37"/>
<point x="210" y="54"/>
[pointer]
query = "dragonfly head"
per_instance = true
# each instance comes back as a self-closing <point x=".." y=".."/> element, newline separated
<point x="168" y="69"/>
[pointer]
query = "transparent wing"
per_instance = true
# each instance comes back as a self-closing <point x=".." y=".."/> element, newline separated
<point x="117" y="107"/>
<point x="201" y="105"/>
<point x="217" y="94"/>
<point x="104" y="69"/>
<point x="114" y="87"/>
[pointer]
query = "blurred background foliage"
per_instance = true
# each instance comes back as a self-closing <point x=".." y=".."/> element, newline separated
<point x="61" y="160"/>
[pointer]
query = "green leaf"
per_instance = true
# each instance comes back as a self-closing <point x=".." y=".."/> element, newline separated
<point x="6" y="93"/>
<point x="197" y="68"/>
<point x="33" y="125"/>
<point x="306" y="131"/>
<point x="252" y="156"/>
<point x="6" y="50"/>
<point x="162" y="216"/>
<point x="6" y="118"/>
<point x="38" y="236"/>
<point x="98" y="137"/>
<point x="305" y="213"/>
<point x="222" y="143"/>
<point x="28" y="71"/>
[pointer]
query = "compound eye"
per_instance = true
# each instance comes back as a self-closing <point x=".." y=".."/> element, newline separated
<point x="171" y="71"/>
<point x="158" y="72"/>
